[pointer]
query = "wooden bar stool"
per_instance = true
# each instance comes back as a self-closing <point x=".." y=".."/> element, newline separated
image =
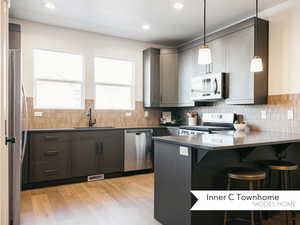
<point x="252" y="176"/>
<point x="284" y="169"/>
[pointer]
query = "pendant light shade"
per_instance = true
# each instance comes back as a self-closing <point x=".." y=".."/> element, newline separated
<point x="257" y="62"/>
<point x="256" y="65"/>
<point x="204" y="55"/>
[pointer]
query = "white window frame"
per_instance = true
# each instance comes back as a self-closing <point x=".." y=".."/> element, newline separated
<point x="82" y="83"/>
<point x="131" y="86"/>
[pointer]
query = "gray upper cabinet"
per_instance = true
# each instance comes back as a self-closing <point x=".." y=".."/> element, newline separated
<point x="169" y="77"/>
<point x="246" y="87"/>
<point x="151" y="67"/>
<point x="218" y="52"/>
<point x="186" y="70"/>
<point x="240" y="51"/>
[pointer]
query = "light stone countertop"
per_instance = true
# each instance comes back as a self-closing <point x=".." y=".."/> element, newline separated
<point x="232" y="140"/>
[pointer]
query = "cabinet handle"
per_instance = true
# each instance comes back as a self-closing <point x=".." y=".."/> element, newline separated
<point x="99" y="147"/>
<point x="51" y="138"/>
<point x="50" y="172"/>
<point x="51" y="153"/>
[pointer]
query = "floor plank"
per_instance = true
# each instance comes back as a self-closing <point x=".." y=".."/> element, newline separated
<point x="125" y="200"/>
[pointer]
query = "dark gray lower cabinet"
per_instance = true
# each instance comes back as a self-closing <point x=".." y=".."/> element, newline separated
<point x="62" y="155"/>
<point x="87" y="149"/>
<point x="49" y="156"/>
<point x="112" y="151"/>
<point x="172" y="196"/>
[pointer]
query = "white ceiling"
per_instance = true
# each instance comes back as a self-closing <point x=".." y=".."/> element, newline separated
<point x="124" y="18"/>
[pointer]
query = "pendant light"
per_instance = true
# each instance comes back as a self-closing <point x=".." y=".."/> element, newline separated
<point x="204" y="55"/>
<point x="256" y="63"/>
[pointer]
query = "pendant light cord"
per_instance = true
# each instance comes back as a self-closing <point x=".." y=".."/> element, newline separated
<point x="204" y="22"/>
<point x="256" y="21"/>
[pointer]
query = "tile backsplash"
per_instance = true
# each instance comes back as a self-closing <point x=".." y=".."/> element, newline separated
<point x="78" y="118"/>
<point x="276" y="113"/>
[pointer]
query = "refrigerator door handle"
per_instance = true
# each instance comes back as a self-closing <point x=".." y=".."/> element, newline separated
<point x="10" y="140"/>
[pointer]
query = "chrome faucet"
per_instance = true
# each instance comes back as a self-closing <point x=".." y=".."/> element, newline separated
<point x="92" y="122"/>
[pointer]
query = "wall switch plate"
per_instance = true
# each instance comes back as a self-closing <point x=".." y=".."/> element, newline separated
<point x="38" y="114"/>
<point x="263" y="115"/>
<point x="184" y="151"/>
<point x="146" y="114"/>
<point x="128" y="114"/>
<point x="290" y="114"/>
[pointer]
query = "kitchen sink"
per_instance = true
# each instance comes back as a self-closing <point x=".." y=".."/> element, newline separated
<point x="85" y="128"/>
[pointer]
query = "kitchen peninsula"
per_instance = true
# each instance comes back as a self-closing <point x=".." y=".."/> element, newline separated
<point x="200" y="162"/>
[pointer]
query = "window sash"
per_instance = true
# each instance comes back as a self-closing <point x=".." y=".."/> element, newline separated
<point x="82" y="84"/>
<point x="132" y="101"/>
<point x="36" y="74"/>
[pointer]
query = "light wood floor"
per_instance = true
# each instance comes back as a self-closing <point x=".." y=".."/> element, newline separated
<point x="118" y="201"/>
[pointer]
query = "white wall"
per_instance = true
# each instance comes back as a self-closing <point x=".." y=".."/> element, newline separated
<point x="36" y="35"/>
<point x="284" y="53"/>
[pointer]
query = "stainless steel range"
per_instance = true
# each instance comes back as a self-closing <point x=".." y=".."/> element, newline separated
<point x="211" y="123"/>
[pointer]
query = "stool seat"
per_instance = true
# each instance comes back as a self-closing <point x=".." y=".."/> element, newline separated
<point x="282" y="165"/>
<point x="245" y="173"/>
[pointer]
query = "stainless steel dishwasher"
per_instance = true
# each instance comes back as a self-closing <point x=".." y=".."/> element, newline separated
<point x="138" y="149"/>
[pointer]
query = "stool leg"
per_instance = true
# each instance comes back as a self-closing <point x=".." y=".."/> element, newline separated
<point x="252" y="212"/>
<point x="260" y="212"/>
<point x="290" y="185"/>
<point x="268" y="213"/>
<point x="285" y="187"/>
<point x="226" y="212"/>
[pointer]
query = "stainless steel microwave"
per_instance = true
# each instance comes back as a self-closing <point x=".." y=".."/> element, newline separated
<point x="209" y="87"/>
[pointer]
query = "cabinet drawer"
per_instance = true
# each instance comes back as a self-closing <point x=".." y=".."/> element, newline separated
<point x="48" y="147"/>
<point x="43" y="171"/>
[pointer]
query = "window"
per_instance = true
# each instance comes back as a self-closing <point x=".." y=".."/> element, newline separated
<point x="114" y="84"/>
<point x="58" y="80"/>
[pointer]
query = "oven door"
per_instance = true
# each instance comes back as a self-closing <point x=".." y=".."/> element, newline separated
<point x="208" y="87"/>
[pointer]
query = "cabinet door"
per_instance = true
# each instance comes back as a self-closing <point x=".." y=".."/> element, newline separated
<point x="185" y="74"/>
<point x="169" y="79"/>
<point x="240" y="51"/>
<point x="218" y="53"/>
<point x="112" y="152"/>
<point x="86" y="154"/>
<point x="151" y="70"/>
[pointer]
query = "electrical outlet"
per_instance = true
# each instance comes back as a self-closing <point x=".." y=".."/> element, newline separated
<point x="128" y="114"/>
<point x="184" y="151"/>
<point x="263" y="115"/>
<point x="290" y="114"/>
<point x="146" y="114"/>
<point x="38" y="114"/>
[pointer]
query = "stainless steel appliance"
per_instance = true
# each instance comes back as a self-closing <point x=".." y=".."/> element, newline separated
<point x="211" y="123"/>
<point x="210" y="87"/>
<point x="17" y="124"/>
<point x="138" y="149"/>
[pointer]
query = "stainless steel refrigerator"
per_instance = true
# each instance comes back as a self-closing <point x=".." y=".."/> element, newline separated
<point x="17" y="134"/>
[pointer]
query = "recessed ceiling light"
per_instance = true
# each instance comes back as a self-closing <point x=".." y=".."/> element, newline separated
<point x="146" y="27"/>
<point x="178" y="5"/>
<point x="49" y="5"/>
